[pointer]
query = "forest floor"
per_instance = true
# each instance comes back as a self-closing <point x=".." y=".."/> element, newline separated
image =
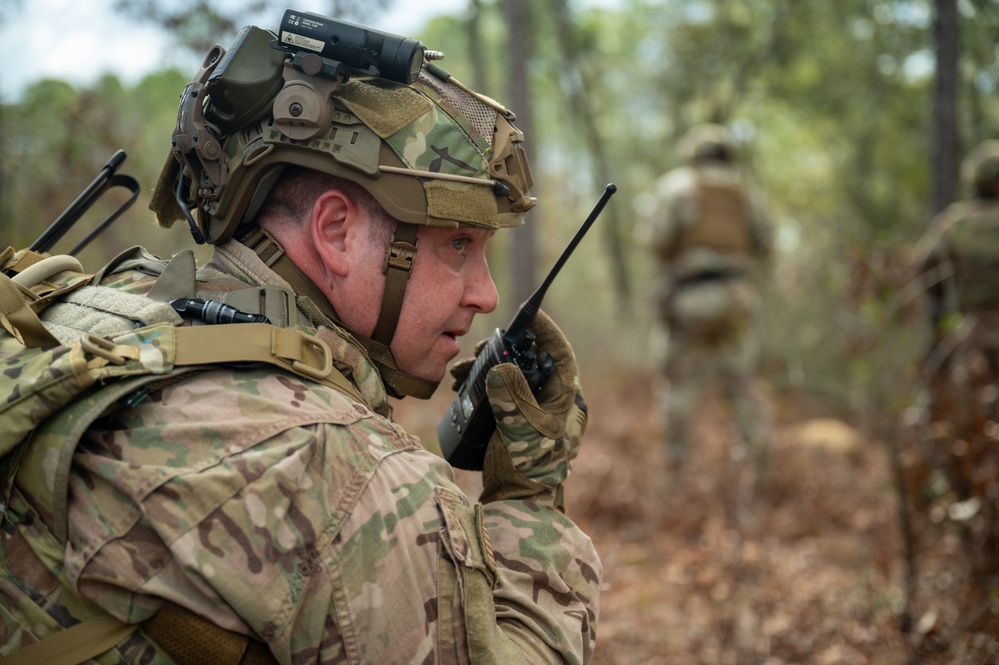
<point x="812" y="574"/>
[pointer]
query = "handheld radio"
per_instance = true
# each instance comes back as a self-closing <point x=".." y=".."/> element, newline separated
<point x="466" y="427"/>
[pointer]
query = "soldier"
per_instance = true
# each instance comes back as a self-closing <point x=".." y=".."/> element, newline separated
<point x="959" y="260"/>
<point x="271" y="510"/>
<point x="711" y="240"/>
<point x="959" y="256"/>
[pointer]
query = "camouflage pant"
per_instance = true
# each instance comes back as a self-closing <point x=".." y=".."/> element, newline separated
<point x="693" y="362"/>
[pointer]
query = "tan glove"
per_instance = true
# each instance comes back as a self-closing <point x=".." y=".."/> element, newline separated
<point x="536" y="439"/>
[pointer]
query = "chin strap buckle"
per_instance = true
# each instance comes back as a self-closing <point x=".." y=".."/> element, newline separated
<point x="400" y="256"/>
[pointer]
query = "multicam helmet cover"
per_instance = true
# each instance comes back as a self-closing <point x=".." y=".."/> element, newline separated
<point x="430" y="152"/>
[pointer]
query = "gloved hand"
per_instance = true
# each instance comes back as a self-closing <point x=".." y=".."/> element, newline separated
<point x="536" y="439"/>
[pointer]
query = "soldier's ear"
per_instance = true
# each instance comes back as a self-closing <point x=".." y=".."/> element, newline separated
<point x="330" y="224"/>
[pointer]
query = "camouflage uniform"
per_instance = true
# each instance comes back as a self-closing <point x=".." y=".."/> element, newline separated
<point x="959" y="261"/>
<point x="289" y="511"/>
<point x="711" y="239"/>
<point x="959" y="256"/>
<point x="285" y="510"/>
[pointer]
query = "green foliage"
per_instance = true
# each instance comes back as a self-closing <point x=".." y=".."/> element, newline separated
<point x="57" y="140"/>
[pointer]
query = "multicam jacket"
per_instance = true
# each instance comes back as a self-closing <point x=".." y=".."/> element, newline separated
<point x="959" y="256"/>
<point x="288" y="511"/>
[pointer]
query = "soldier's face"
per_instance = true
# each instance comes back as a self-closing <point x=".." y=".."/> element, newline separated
<point x="449" y="285"/>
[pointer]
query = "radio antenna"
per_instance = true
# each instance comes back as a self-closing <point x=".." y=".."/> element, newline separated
<point x="525" y="316"/>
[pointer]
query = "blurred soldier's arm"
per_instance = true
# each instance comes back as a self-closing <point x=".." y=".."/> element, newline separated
<point x="761" y="228"/>
<point x="674" y="210"/>
<point x="931" y="262"/>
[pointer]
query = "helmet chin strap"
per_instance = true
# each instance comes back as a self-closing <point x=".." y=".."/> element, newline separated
<point x="398" y="263"/>
<point x="397" y="268"/>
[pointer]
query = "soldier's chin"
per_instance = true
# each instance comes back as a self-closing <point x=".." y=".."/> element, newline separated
<point x="430" y="370"/>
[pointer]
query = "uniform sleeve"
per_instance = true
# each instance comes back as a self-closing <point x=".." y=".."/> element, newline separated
<point x="931" y="261"/>
<point x="423" y="571"/>
<point x="673" y="210"/>
<point x="333" y="543"/>
<point x="930" y="251"/>
<point x="762" y="225"/>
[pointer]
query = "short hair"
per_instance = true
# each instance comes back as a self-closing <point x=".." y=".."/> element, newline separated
<point x="292" y="197"/>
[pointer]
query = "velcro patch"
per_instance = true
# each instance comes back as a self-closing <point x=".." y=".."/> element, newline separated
<point x="385" y="110"/>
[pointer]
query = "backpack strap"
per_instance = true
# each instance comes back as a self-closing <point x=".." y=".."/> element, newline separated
<point x="287" y="348"/>
<point x="18" y="316"/>
<point x="188" y="638"/>
<point x="26" y="290"/>
<point x="73" y="645"/>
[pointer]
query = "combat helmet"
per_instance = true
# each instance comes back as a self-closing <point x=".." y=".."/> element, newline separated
<point x="706" y="141"/>
<point x="366" y="106"/>
<point x="980" y="169"/>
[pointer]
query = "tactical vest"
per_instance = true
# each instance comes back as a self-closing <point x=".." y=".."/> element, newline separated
<point x="72" y="352"/>
<point x="973" y="246"/>
<point x="723" y="219"/>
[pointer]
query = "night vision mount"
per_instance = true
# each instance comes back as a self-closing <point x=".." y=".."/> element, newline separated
<point x="342" y="45"/>
<point x="290" y="76"/>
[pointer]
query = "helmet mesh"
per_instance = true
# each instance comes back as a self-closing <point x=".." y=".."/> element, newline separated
<point x="479" y="115"/>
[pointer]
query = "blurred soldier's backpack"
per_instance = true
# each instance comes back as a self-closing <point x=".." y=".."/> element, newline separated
<point x="723" y="216"/>
<point x="973" y="244"/>
<point x="710" y="297"/>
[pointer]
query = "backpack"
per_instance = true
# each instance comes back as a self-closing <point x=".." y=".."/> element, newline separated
<point x="712" y="297"/>
<point x="71" y="351"/>
<point x="723" y="218"/>
<point x="972" y="240"/>
<point x="115" y="342"/>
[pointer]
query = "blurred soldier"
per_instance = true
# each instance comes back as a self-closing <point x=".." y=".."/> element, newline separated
<point x="263" y="506"/>
<point x="959" y="256"/>
<point x="959" y="259"/>
<point x="712" y="242"/>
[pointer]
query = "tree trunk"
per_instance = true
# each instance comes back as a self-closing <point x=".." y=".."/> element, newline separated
<point x="579" y="104"/>
<point x="523" y="255"/>
<point x="476" y="54"/>
<point x="946" y="143"/>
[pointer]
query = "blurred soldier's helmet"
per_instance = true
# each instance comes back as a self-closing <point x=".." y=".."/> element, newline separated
<point x="428" y="149"/>
<point x="980" y="169"/>
<point x="707" y="141"/>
